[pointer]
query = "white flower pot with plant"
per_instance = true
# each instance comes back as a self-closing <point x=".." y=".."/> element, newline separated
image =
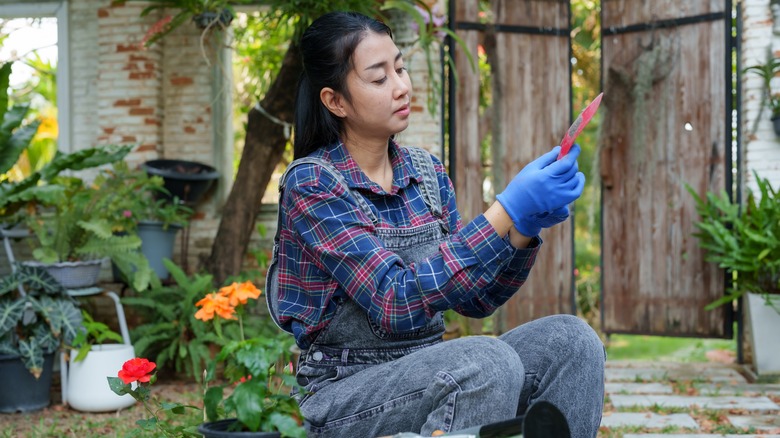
<point x="743" y="240"/>
<point x="91" y="362"/>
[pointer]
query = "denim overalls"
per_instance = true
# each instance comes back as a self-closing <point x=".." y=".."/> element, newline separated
<point x="414" y="381"/>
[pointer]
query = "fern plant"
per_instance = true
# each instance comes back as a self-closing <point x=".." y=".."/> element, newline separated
<point x="73" y="227"/>
<point x="171" y="334"/>
<point x="745" y="240"/>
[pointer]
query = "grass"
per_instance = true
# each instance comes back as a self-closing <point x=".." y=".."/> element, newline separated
<point x="661" y="348"/>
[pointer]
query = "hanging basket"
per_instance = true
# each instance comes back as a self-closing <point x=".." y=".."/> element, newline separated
<point x="187" y="180"/>
<point x="776" y="125"/>
<point x="207" y="20"/>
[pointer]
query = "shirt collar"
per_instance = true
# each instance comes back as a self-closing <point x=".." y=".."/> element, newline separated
<point x="403" y="171"/>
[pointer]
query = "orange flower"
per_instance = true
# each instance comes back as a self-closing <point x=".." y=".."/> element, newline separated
<point x="215" y="304"/>
<point x="240" y="293"/>
<point x="136" y="369"/>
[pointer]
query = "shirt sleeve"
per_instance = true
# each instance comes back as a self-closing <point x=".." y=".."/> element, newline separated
<point x="512" y="274"/>
<point x="337" y="240"/>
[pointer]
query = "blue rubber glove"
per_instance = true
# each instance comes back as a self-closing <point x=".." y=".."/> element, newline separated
<point x="543" y="186"/>
<point x="532" y="225"/>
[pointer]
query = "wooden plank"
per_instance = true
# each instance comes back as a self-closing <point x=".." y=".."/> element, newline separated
<point x="531" y="104"/>
<point x="468" y="158"/>
<point x="664" y="110"/>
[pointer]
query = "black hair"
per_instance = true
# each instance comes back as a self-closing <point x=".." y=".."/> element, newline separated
<point x="327" y="47"/>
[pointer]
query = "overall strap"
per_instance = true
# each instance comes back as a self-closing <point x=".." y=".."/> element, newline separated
<point x="423" y="162"/>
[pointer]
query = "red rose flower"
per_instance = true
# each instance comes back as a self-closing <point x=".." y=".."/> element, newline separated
<point x="136" y="369"/>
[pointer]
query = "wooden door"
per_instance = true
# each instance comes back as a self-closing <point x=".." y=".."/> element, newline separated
<point x="666" y="124"/>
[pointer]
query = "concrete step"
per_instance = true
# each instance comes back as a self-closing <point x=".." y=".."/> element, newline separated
<point x="759" y="423"/>
<point x="758" y="403"/>
<point x="647" y="420"/>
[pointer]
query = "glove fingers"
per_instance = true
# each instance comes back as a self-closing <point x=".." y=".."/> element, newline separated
<point x="546" y="159"/>
<point x="564" y="164"/>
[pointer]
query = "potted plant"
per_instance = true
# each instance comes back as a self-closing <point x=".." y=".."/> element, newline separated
<point x="37" y="317"/>
<point x="93" y="358"/>
<point x="744" y="241"/>
<point x="144" y="207"/>
<point x="206" y="14"/>
<point x="258" y="404"/>
<point x="767" y="72"/>
<point x="73" y="234"/>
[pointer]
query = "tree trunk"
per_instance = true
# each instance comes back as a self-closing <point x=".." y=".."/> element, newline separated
<point x="263" y="148"/>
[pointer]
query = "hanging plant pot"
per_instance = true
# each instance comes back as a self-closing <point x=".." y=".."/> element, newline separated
<point x="22" y="392"/>
<point x="72" y="275"/>
<point x="221" y="429"/>
<point x="776" y="125"/>
<point x="187" y="180"/>
<point x="220" y="19"/>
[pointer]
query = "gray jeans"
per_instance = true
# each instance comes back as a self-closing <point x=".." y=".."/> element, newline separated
<point x="469" y="381"/>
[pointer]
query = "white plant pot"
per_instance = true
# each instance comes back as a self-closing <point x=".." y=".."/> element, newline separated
<point x="88" y="388"/>
<point x="764" y="330"/>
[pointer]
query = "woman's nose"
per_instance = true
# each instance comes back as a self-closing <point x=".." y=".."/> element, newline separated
<point x="402" y="87"/>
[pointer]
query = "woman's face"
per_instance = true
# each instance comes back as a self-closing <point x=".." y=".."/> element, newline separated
<point x="379" y="89"/>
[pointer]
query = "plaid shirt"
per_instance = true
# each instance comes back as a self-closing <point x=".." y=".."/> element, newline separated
<point x="327" y="249"/>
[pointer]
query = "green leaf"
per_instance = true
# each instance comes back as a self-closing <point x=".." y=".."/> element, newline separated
<point x="32" y="356"/>
<point x="248" y="400"/>
<point x="148" y="424"/>
<point x="119" y="387"/>
<point x="287" y="425"/>
<point x="211" y="402"/>
<point x="10" y="314"/>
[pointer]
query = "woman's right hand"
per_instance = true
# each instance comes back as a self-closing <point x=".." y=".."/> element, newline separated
<point x="543" y="186"/>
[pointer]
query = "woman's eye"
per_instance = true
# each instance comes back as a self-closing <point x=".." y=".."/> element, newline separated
<point x="380" y="81"/>
<point x="400" y="70"/>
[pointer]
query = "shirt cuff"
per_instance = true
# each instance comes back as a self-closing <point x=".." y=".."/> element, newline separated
<point x="523" y="259"/>
<point x="488" y="247"/>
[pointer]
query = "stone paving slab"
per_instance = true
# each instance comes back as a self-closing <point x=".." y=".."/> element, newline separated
<point x="637" y="388"/>
<point x="663" y="435"/>
<point x="740" y="389"/>
<point x="758" y="403"/>
<point x="648" y="419"/>
<point x="757" y="422"/>
<point x="726" y="375"/>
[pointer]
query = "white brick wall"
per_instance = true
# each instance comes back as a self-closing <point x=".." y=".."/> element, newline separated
<point x="761" y="146"/>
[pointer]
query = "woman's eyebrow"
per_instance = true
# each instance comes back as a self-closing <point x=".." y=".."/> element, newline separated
<point x="381" y="64"/>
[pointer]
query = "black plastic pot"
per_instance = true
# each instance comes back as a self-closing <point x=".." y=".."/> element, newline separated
<point x="221" y="429"/>
<point x="21" y="391"/>
<point x="776" y="125"/>
<point x="187" y="180"/>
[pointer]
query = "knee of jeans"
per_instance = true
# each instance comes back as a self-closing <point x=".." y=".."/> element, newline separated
<point x="582" y="339"/>
<point x="496" y="357"/>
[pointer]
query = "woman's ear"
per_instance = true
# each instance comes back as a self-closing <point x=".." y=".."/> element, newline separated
<point x="333" y="102"/>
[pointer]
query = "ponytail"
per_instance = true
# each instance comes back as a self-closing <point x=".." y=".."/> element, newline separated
<point x="315" y="126"/>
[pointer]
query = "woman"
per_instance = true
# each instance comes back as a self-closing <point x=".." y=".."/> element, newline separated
<point x="371" y="250"/>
